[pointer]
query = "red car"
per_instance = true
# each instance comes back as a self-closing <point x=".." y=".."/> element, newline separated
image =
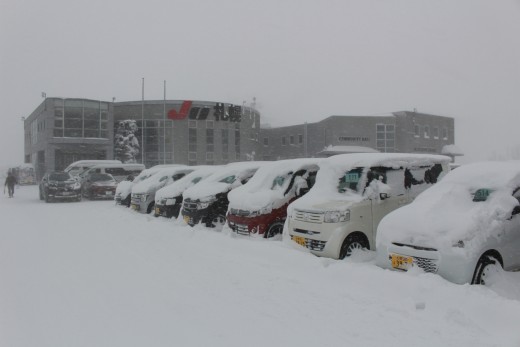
<point x="260" y="206"/>
<point x="99" y="186"/>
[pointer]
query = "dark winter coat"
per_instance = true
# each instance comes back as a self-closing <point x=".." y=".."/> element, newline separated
<point x="10" y="181"/>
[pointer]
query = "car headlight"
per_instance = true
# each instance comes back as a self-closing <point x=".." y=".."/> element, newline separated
<point x="336" y="216"/>
<point x="76" y="185"/>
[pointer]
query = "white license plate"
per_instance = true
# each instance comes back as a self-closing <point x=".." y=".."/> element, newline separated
<point x="108" y="193"/>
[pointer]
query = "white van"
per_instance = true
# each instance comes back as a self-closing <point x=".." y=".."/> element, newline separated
<point x="79" y="166"/>
<point x="352" y="193"/>
<point x="119" y="171"/>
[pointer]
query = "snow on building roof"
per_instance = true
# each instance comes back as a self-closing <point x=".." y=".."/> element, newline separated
<point x="334" y="150"/>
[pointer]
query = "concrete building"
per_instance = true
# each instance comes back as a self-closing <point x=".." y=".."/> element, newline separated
<point x="61" y="131"/>
<point x="407" y="132"/>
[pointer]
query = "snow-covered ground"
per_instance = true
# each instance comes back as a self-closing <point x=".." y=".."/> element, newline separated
<point x="96" y="274"/>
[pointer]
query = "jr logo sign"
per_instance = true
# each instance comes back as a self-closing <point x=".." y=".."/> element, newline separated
<point x="231" y="113"/>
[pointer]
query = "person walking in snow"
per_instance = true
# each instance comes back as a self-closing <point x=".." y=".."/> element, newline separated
<point x="10" y="181"/>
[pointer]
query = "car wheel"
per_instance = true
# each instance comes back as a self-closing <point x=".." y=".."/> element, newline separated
<point x="486" y="266"/>
<point x="150" y="207"/>
<point x="274" y="229"/>
<point x="218" y="222"/>
<point x="351" y="243"/>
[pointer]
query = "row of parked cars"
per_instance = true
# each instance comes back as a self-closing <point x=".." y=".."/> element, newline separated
<point x="411" y="209"/>
<point x="92" y="179"/>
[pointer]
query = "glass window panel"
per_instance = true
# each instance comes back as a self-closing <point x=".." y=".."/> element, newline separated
<point x="389" y="127"/>
<point x="390" y="136"/>
<point x="58" y="133"/>
<point x="380" y="136"/>
<point x="380" y="143"/>
<point x="73" y="103"/>
<point x="91" y="104"/>
<point x="91" y="133"/>
<point x="73" y="133"/>
<point x="380" y="127"/>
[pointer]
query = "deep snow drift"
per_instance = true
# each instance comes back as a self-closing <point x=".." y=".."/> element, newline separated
<point x="96" y="274"/>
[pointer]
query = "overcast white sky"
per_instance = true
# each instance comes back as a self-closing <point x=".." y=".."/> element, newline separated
<point x="303" y="60"/>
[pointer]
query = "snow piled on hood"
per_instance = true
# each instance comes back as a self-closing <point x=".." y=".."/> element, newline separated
<point x="212" y="186"/>
<point x="178" y="187"/>
<point x="124" y="188"/>
<point x="446" y="213"/>
<point x="333" y="168"/>
<point x="258" y="192"/>
<point x="157" y="180"/>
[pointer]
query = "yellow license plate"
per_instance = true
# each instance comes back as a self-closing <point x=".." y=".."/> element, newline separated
<point x="135" y="207"/>
<point x="300" y="240"/>
<point x="186" y="219"/>
<point x="401" y="262"/>
<point x="157" y="211"/>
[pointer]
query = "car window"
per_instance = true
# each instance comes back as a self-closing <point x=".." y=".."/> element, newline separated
<point x="228" y="179"/>
<point x="99" y="177"/>
<point x="178" y="176"/>
<point x="278" y="182"/>
<point x="196" y="180"/>
<point x="163" y="178"/>
<point x="60" y="176"/>
<point x="481" y="194"/>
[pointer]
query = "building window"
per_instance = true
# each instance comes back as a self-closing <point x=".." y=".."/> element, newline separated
<point x="283" y="141"/>
<point x="192" y="124"/>
<point x="445" y="133"/>
<point x="435" y="132"/>
<point x="192" y="158"/>
<point x="192" y="139"/>
<point x="291" y="140"/>
<point x="237" y="140"/>
<point x="80" y="118"/>
<point x="266" y="141"/>
<point x="385" y="137"/>
<point x="209" y="140"/>
<point x="209" y="124"/>
<point x="426" y="131"/>
<point x="417" y="130"/>
<point x="209" y="157"/>
<point x="300" y="138"/>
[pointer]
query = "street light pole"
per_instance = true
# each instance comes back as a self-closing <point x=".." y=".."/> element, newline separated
<point x="142" y="123"/>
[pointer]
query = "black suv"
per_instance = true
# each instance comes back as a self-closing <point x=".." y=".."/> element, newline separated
<point x="59" y="185"/>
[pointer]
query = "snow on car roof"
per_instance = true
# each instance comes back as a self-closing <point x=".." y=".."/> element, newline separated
<point x="178" y="187"/>
<point x="212" y="185"/>
<point x="446" y="213"/>
<point x="257" y="193"/>
<point x="332" y="168"/>
<point x="149" y="183"/>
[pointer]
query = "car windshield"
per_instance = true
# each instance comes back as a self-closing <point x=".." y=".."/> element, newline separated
<point x="229" y="179"/>
<point x="101" y="177"/>
<point x="196" y="180"/>
<point x="59" y="176"/>
<point x="481" y="194"/>
<point x="350" y="180"/>
<point x="278" y="182"/>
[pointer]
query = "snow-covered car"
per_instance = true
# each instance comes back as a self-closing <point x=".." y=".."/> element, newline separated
<point x="260" y="206"/>
<point x="124" y="188"/>
<point x="462" y="228"/>
<point x="59" y="185"/>
<point x="98" y="186"/>
<point x="352" y="193"/>
<point x="207" y="202"/>
<point x="168" y="200"/>
<point x="143" y="192"/>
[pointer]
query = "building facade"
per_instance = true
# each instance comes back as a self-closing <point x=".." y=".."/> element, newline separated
<point x="61" y="131"/>
<point x="406" y="132"/>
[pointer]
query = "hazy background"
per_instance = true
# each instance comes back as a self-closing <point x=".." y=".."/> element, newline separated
<point x="303" y="60"/>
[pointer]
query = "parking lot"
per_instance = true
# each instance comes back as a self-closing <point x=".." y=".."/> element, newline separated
<point x="91" y="273"/>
